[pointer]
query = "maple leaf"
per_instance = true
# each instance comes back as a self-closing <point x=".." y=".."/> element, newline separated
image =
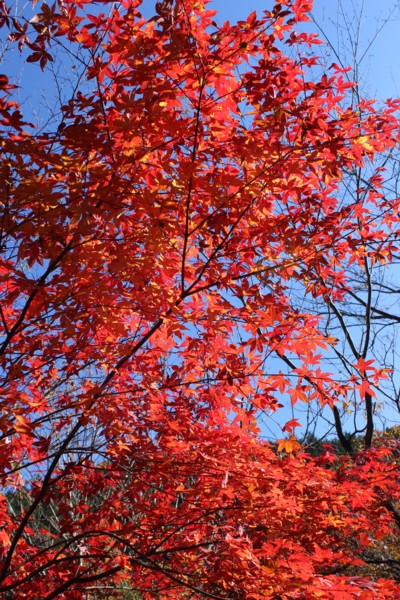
<point x="288" y="445"/>
<point x="290" y="425"/>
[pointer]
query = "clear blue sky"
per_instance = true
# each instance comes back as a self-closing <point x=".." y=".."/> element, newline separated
<point x="376" y="24"/>
<point x="380" y="67"/>
<point x="370" y="28"/>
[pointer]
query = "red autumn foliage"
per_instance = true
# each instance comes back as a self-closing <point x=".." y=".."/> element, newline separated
<point x="147" y="245"/>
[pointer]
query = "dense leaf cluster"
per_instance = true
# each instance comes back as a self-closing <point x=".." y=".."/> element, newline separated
<point x="150" y="233"/>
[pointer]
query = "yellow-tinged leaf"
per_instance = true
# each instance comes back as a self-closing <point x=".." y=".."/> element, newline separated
<point x="23" y="426"/>
<point x="4" y="538"/>
<point x="288" y="445"/>
<point x="364" y="141"/>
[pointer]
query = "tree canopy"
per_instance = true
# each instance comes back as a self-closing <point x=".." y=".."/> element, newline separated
<point x="158" y="226"/>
